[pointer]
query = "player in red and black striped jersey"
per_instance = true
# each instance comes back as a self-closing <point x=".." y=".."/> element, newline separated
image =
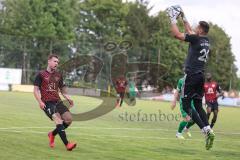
<point x="211" y="92"/>
<point x="47" y="85"/>
<point x="120" y="86"/>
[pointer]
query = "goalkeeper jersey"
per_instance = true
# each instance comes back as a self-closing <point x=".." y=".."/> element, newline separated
<point x="197" y="53"/>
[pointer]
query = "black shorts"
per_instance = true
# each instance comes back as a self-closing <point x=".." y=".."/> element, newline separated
<point x="193" y="85"/>
<point x="212" y="105"/>
<point x="55" y="107"/>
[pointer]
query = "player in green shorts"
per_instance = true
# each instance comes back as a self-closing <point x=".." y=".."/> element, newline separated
<point x="132" y="92"/>
<point x="186" y="123"/>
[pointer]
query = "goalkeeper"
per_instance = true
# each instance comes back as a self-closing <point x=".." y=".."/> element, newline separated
<point x="194" y="69"/>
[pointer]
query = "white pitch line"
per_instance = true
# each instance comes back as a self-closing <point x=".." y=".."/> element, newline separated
<point x="148" y="129"/>
<point x="114" y="136"/>
<point x="112" y="128"/>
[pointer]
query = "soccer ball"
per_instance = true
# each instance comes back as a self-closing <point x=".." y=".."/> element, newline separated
<point x="174" y="11"/>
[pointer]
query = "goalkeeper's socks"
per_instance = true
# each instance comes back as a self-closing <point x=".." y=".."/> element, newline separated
<point x="62" y="133"/>
<point x="181" y="126"/>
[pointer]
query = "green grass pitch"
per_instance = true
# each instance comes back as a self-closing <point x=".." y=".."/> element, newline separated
<point x="120" y="134"/>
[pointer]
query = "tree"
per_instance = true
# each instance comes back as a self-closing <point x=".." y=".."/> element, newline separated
<point x="100" y="22"/>
<point x="31" y="29"/>
<point x="39" y="26"/>
<point x="221" y="59"/>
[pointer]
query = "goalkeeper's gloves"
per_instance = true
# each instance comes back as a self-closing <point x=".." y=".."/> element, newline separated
<point x="173" y="13"/>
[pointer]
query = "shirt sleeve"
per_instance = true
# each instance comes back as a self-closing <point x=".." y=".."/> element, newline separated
<point x="38" y="80"/>
<point x="192" y="38"/>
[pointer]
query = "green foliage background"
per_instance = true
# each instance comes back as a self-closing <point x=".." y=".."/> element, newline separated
<point x="31" y="29"/>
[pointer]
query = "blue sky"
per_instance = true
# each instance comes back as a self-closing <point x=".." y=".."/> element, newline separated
<point x="224" y="13"/>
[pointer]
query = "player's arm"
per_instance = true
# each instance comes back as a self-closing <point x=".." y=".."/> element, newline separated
<point x="189" y="36"/>
<point x="66" y="96"/>
<point x="176" y="33"/>
<point x="37" y="95"/>
<point x="187" y="26"/>
<point x="173" y="13"/>
<point x="192" y="38"/>
<point x="36" y="91"/>
<point x="63" y="90"/>
<point x="175" y="99"/>
<point x="220" y="92"/>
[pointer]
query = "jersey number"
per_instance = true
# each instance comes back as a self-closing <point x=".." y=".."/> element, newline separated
<point x="49" y="111"/>
<point x="210" y="91"/>
<point x="204" y="55"/>
<point x="52" y="86"/>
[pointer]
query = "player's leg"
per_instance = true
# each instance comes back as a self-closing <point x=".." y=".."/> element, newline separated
<point x="209" y="110"/>
<point x="49" y="110"/>
<point x="56" y="111"/>
<point x="214" y="119"/>
<point x="59" y="127"/>
<point x="188" y="92"/>
<point x="65" y="114"/>
<point x="67" y="119"/>
<point x="121" y="98"/>
<point x="193" y="89"/>
<point x="132" y="94"/>
<point x="194" y="115"/>
<point x="206" y="129"/>
<point x="61" y="132"/>
<point x="118" y="100"/>
<point x="181" y="126"/>
<point x="183" y="123"/>
<point x="197" y="98"/>
<point x="190" y="122"/>
<point x="188" y="126"/>
<point x="202" y="114"/>
<point x="215" y="114"/>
